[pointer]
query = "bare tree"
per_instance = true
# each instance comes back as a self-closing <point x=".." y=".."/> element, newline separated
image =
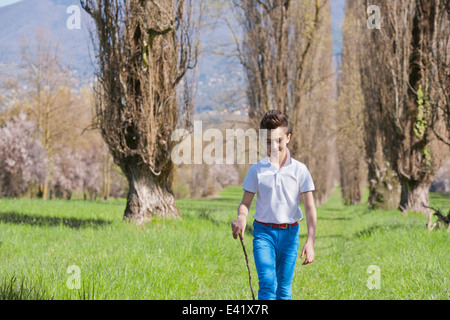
<point x="144" y="49"/>
<point x="48" y="96"/>
<point x="286" y="53"/>
<point x="384" y="185"/>
<point x="437" y="62"/>
<point x="400" y="99"/>
<point x="263" y="53"/>
<point x="277" y="37"/>
<point x="350" y="115"/>
<point x="314" y="95"/>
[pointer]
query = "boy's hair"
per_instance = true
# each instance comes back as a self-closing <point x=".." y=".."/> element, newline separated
<point x="274" y="119"/>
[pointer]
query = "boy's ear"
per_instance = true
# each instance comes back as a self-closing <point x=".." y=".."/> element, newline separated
<point x="288" y="138"/>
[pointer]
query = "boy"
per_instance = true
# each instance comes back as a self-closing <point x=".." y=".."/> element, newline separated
<point x="278" y="180"/>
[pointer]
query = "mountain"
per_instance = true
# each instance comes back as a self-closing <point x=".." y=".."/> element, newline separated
<point x="20" y="21"/>
<point x="221" y="79"/>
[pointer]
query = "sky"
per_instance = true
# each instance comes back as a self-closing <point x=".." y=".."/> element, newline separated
<point x="339" y="4"/>
<point x="337" y="8"/>
<point x="7" y="2"/>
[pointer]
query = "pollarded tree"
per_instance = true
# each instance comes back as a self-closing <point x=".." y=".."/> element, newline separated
<point x="278" y="36"/>
<point x="314" y="93"/>
<point x="384" y="185"/>
<point x="437" y="61"/>
<point x="287" y="57"/>
<point x="349" y="115"/>
<point x="396" y="60"/>
<point x="144" y="49"/>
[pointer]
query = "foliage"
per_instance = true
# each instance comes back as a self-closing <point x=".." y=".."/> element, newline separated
<point x="22" y="158"/>
<point x="423" y="113"/>
<point x="68" y="172"/>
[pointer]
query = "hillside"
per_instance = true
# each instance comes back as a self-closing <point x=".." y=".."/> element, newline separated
<point x="19" y="22"/>
<point x="219" y="78"/>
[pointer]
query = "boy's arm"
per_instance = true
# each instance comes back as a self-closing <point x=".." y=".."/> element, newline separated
<point x="311" y="221"/>
<point x="238" y="225"/>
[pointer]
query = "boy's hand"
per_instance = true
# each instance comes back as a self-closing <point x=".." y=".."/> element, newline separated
<point x="238" y="227"/>
<point x="308" y="250"/>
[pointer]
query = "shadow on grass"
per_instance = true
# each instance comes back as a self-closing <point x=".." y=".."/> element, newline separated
<point x="329" y="218"/>
<point x="444" y="195"/>
<point x="233" y="201"/>
<point x="383" y="228"/>
<point x="205" y="214"/>
<point x="36" y="220"/>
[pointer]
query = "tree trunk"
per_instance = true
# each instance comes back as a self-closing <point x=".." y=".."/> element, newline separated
<point x="384" y="188"/>
<point x="145" y="49"/>
<point x="384" y="184"/>
<point x="413" y="195"/>
<point x="106" y="175"/>
<point x="149" y="196"/>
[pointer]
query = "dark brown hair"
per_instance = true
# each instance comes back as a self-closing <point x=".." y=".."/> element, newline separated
<point x="274" y="119"/>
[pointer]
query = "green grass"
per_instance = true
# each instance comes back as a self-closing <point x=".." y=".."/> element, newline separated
<point x="197" y="258"/>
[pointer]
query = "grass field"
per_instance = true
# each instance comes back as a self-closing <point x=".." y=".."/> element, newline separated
<point x="197" y="258"/>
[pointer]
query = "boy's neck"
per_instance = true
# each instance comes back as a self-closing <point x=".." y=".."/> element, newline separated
<point x="280" y="162"/>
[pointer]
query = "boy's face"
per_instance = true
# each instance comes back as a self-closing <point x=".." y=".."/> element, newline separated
<point x="277" y="141"/>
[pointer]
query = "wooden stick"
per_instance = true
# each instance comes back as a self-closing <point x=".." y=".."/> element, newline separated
<point x="248" y="268"/>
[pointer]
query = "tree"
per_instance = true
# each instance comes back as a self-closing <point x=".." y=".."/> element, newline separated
<point x="144" y="49"/>
<point x="286" y="53"/>
<point x="314" y="96"/>
<point x="91" y="179"/>
<point x="48" y="96"/>
<point x="384" y="185"/>
<point x="350" y="116"/>
<point x="400" y="99"/>
<point x="437" y="61"/>
<point x="68" y="174"/>
<point x="22" y="157"/>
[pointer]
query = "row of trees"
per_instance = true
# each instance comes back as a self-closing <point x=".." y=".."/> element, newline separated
<point x="394" y="91"/>
<point x="25" y="166"/>
<point x="286" y="52"/>
<point x="46" y="146"/>
<point x="285" y="49"/>
<point x="393" y="94"/>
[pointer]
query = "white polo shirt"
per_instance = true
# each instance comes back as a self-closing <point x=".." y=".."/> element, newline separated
<point x="278" y="191"/>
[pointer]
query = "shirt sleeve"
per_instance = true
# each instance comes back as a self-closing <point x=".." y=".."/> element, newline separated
<point x="306" y="181"/>
<point x="251" y="181"/>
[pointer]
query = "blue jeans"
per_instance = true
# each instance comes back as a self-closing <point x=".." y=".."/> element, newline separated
<point x="275" y="252"/>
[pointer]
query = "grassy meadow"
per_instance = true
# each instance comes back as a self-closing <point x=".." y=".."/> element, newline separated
<point x="197" y="258"/>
